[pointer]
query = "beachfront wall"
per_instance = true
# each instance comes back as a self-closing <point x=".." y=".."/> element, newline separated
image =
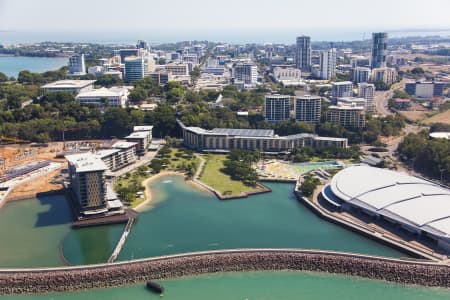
<point x="126" y="273"/>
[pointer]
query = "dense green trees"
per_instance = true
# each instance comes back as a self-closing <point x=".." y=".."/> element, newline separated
<point x="108" y="81"/>
<point x="239" y="166"/>
<point x="429" y="156"/>
<point x="309" y="185"/>
<point x="3" y="77"/>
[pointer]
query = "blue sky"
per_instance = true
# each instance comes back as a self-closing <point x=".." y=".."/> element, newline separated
<point x="82" y="15"/>
<point x="241" y="21"/>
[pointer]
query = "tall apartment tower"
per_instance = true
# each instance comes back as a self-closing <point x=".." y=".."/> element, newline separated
<point x="308" y="109"/>
<point x="277" y="108"/>
<point x="303" y="53"/>
<point x="340" y="90"/>
<point x="77" y="65"/>
<point x="379" y="47"/>
<point x="367" y="91"/>
<point x="327" y="66"/>
<point x="134" y="68"/>
<point x="87" y="181"/>
<point x="245" y="72"/>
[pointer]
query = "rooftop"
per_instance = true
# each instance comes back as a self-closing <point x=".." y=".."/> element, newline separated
<point x="143" y="128"/>
<point x="406" y="199"/>
<point x="138" y="135"/>
<point x="124" y="145"/>
<point x="68" y="84"/>
<point x="86" y="162"/>
<point x="242" y="132"/>
<point x="440" y="135"/>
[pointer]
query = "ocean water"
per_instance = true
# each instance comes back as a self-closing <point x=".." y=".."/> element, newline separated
<point x="185" y="219"/>
<point x="12" y="65"/>
<point x="258" y="286"/>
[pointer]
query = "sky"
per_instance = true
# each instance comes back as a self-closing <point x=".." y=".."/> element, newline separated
<point x="207" y="16"/>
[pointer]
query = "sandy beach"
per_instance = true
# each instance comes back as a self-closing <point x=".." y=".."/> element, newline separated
<point x="148" y="191"/>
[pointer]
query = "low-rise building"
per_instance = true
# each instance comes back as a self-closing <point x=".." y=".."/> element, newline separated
<point x="402" y="104"/>
<point x="70" y="86"/>
<point x="142" y="136"/>
<point x="222" y="140"/>
<point x="425" y="89"/>
<point x="114" y="96"/>
<point x="177" y="69"/>
<point x="352" y="101"/>
<point x="120" y="155"/>
<point x="281" y="74"/>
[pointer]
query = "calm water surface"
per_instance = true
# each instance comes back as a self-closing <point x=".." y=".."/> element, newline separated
<point x="12" y="65"/>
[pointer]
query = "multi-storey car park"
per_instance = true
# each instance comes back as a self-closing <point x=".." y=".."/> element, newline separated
<point x="411" y="203"/>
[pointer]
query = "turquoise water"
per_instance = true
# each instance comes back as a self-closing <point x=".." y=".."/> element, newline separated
<point x="31" y="231"/>
<point x="12" y="65"/>
<point x="260" y="286"/>
<point x="185" y="219"/>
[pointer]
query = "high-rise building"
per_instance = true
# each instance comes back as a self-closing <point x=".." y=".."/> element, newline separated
<point x="303" y="53"/>
<point x="361" y="74"/>
<point x="341" y="89"/>
<point x="87" y="182"/>
<point x="347" y="115"/>
<point x="277" y="108"/>
<point x="142" y="45"/>
<point x="327" y="66"/>
<point x="308" y="109"/>
<point x="379" y="47"/>
<point x="134" y="68"/>
<point x="246" y="73"/>
<point x="76" y="65"/>
<point x="367" y="91"/>
<point x="124" y="53"/>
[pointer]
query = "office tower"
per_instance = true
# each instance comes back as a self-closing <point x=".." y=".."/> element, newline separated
<point x="277" y="108"/>
<point x="361" y="74"/>
<point x="347" y="115"/>
<point x="76" y="65"/>
<point x="367" y="91"/>
<point x="303" y="53"/>
<point x="124" y="53"/>
<point x="379" y="47"/>
<point x="327" y="67"/>
<point x="134" y="68"/>
<point x="341" y="89"/>
<point x="308" y="109"/>
<point x="245" y="72"/>
<point x="142" y="45"/>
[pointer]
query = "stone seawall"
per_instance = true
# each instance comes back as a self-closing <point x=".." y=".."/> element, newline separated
<point x="125" y="273"/>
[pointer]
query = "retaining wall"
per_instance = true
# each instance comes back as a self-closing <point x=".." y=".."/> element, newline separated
<point x="125" y="273"/>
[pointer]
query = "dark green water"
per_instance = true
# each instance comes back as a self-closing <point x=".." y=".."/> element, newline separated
<point x="261" y="286"/>
<point x="184" y="219"/>
<point x="31" y="231"/>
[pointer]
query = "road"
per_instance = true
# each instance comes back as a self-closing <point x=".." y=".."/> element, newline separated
<point x="381" y="100"/>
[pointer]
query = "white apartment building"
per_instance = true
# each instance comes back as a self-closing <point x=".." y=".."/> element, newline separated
<point x="115" y="96"/>
<point x="277" y="108"/>
<point x="246" y="73"/>
<point x="281" y="74"/>
<point x="347" y="115"/>
<point x="367" y="91"/>
<point x="308" y="109"/>
<point x="341" y="89"/>
<point x="387" y="75"/>
<point x="361" y="74"/>
<point x="327" y="65"/>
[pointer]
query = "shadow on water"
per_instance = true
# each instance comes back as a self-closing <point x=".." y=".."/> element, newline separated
<point x="58" y="212"/>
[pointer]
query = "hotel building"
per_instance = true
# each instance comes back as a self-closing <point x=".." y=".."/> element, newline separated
<point x="223" y="140"/>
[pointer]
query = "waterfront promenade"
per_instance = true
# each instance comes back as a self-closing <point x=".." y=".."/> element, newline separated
<point x="425" y="273"/>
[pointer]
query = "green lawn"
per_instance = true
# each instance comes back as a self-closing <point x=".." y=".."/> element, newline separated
<point x="218" y="180"/>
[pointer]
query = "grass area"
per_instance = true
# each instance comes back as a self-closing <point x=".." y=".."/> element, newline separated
<point x="443" y="117"/>
<point x="215" y="178"/>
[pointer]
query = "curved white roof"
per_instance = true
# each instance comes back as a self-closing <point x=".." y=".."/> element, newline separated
<point x="440" y="135"/>
<point x="398" y="196"/>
